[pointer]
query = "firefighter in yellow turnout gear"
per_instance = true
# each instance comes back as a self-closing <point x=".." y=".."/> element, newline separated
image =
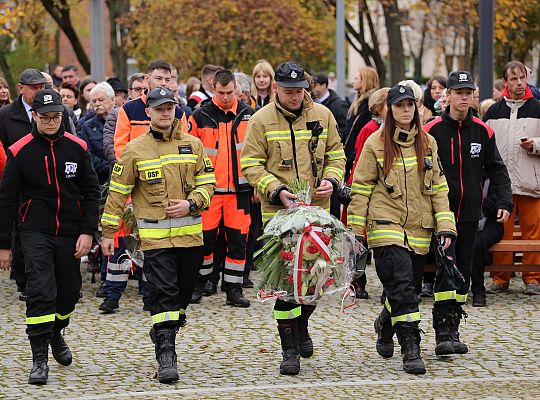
<point x="292" y="138"/>
<point x="170" y="180"/>
<point x="400" y="195"/>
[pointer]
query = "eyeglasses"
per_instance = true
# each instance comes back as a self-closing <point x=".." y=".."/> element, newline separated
<point x="47" y="120"/>
<point x="137" y="89"/>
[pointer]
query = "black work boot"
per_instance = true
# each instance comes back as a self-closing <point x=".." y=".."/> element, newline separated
<point x="40" y="356"/>
<point x="236" y="298"/>
<point x="197" y="294"/>
<point x="385" y="334"/>
<point x="210" y="288"/>
<point x="109" y="305"/>
<point x="442" y="324"/>
<point x="409" y="338"/>
<point x="459" y="347"/>
<point x="305" y="344"/>
<point x="288" y="334"/>
<point x="60" y="350"/>
<point x="166" y="355"/>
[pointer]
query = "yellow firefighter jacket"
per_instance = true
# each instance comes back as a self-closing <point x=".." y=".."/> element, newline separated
<point x="405" y="207"/>
<point x="154" y="168"/>
<point x="277" y="150"/>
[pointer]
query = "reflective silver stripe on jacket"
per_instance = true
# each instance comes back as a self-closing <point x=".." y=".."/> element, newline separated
<point x="168" y="223"/>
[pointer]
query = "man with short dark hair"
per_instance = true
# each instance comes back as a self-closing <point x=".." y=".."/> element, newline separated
<point x="221" y="126"/>
<point x="330" y="99"/>
<point x="132" y="119"/>
<point x="57" y="219"/>
<point x="70" y="74"/>
<point x="467" y="149"/>
<point x="516" y="122"/>
<point x="292" y="138"/>
<point x="204" y="94"/>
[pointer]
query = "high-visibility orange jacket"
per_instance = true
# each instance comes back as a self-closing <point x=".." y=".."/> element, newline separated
<point x="132" y="122"/>
<point x="222" y="134"/>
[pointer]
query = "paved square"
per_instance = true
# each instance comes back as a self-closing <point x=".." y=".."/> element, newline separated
<point x="228" y="353"/>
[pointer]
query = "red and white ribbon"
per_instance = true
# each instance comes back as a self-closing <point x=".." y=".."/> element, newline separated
<point x="310" y="233"/>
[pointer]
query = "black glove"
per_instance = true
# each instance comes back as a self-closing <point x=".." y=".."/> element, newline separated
<point x="344" y="195"/>
<point x="450" y="235"/>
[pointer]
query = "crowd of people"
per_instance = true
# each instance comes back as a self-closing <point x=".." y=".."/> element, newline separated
<point x="196" y="169"/>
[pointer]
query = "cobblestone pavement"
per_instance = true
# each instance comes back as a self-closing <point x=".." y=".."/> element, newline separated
<point x="228" y="353"/>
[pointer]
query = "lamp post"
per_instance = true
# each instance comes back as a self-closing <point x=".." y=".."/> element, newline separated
<point x="485" y="39"/>
<point x="97" y="45"/>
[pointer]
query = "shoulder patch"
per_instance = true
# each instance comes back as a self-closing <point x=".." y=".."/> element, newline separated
<point x="118" y="169"/>
<point x="208" y="166"/>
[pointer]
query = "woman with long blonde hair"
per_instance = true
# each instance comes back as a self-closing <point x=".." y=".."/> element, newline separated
<point x="261" y="84"/>
<point x="365" y="83"/>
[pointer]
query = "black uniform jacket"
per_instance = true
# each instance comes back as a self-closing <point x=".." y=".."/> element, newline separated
<point x="50" y="179"/>
<point x="466" y="149"/>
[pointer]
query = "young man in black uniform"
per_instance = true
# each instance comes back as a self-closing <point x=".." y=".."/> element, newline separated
<point x="50" y="173"/>
<point x="466" y="149"/>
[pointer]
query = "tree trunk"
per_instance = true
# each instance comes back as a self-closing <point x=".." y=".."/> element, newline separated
<point x="5" y="45"/>
<point x="60" y="11"/>
<point x="57" y="47"/>
<point x="467" y="52"/>
<point x="370" y="54"/>
<point x="395" y="42"/>
<point x="474" y="53"/>
<point x="417" y="77"/>
<point x="118" y="8"/>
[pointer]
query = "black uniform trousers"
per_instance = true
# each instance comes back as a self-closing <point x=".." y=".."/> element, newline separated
<point x="491" y="234"/>
<point x="171" y="274"/>
<point x="17" y="264"/>
<point x="397" y="269"/>
<point x="286" y="312"/>
<point x="53" y="281"/>
<point x="462" y="250"/>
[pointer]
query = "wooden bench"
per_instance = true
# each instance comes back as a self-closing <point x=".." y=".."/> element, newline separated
<point x="514" y="246"/>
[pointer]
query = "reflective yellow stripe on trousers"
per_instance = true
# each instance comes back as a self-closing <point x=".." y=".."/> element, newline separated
<point x="167" y="316"/>
<point x="294" y="313"/>
<point x="450" y="295"/>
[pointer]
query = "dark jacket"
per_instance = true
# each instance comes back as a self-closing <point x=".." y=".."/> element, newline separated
<point x="339" y="109"/>
<point x="355" y="123"/>
<point x="14" y="122"/>
<point x="466" y="149"/>
<point x="92" y="134"/>
<point x="108" y="135"/>
<point x="54" y="178"/>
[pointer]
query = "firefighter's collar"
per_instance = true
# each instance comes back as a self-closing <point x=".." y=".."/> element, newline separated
<point x="165" y="135"/>
<point x="405" y="138"/>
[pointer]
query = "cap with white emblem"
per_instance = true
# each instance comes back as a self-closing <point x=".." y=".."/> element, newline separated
<point x="159" y="96"/>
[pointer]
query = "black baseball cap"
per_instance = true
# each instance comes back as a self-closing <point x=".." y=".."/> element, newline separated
<point x="321" y="79"/>
<point x="47" y="100"/>
<point x="291" y="75"/>
<point x="460" y="80"/>
<point x="398" y="93"/>
<point x="159" y="96"/>
<point x="32" y="76"/>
